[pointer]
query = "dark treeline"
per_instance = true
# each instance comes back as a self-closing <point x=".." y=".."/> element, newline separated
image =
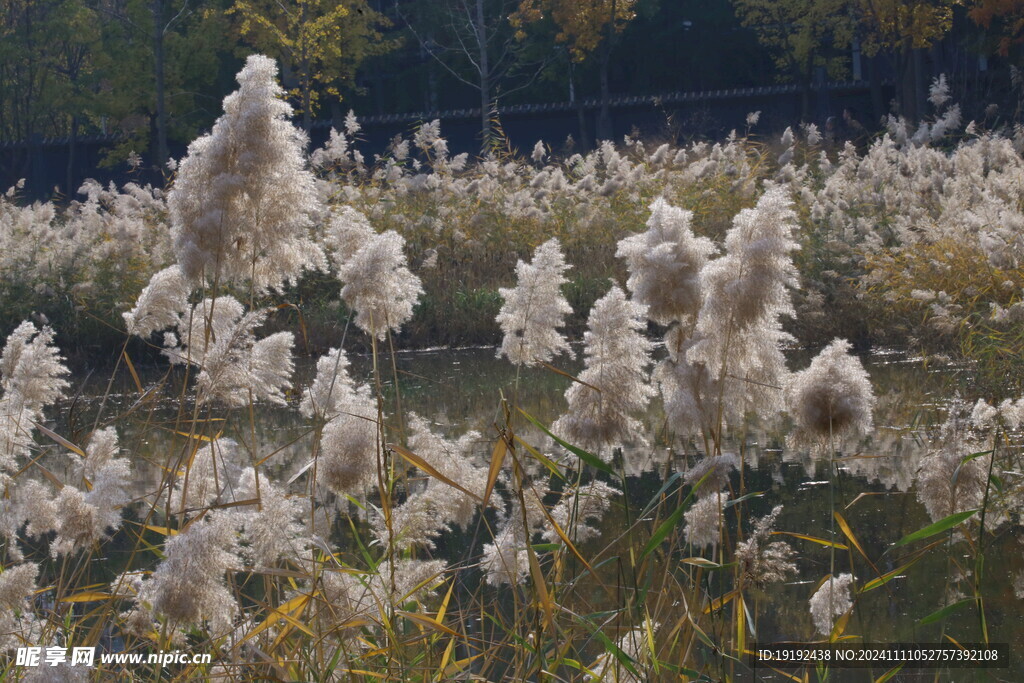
<point x="147" y="76"/>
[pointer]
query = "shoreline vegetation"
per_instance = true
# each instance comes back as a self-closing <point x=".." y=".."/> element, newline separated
<point x="370" y="544"/>
<point x="886" y="233"/>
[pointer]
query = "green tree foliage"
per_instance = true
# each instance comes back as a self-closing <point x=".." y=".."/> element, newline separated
<point x="809" y="33"/>
<point x="320" y="43"/>
<point x="157" y="56"/>
<point x="584" y="26"/>
<point x="803" y="34"/>
<point x="902" y="24"/>
<point x="474" y="41"/>
<point x="42" y="59"/>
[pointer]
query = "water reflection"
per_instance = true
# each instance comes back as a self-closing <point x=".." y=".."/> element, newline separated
<point x="461" y="390"/>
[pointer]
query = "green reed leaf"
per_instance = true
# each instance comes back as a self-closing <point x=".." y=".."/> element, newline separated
<point x="937" y="528"/>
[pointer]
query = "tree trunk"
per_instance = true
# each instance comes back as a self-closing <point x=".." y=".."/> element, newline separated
<point x="307" y="120"/>
<point x="69" y="178"/>
<point x="307" y="77"/>
<point x="485" y="76"/>
<point x="581" y="114"/>
<point x="604" y="116"/>
<point x="875" y="84"/>
<point x="157" y="8"/>
<point x="904" y="90"/>
<point x="920" y="82"/>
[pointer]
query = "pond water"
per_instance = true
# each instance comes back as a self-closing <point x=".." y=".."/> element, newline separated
<point x="459" y="390"/>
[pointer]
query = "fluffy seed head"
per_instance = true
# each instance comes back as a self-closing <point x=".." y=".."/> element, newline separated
<point x="832" y="396"/>
<point x="614" y="386"/>
<point x="535" y="308"/>
<point x="665" y="262"/>
<point x="243" y="201"/>
<point x="830" y="601"/>
<point x="379" y="286"/>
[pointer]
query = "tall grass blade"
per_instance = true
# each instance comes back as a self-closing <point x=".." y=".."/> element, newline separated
<point x="583" y="455"/>
<point x="937" y="528"/>
<point x="429" y="469"/>
<point x="941" y="614"/>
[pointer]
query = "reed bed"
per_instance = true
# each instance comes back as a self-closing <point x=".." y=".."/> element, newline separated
<point x="371" y="544"/>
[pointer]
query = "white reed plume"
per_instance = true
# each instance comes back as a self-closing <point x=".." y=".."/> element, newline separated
<point x="687" y="389"/>
<point x="665" y="262"/>
<point x="738" y="333"/>
<point x="713" y="471"/>
<point x="32" y="378"/>
<point x="539" y="152"/>
<point x="453" y="459"/>
<point x="16" y="427"/>
<point x="947" y="481"/>
<point x="346" y="231"/>
<point x="378" y="285"/>
<point x="704" y="520"/>
<point x="270" y="529"/>
<point x="160" y="305"/>
<point x="81" y="517"/>
<point x="218" y="336"/>
<point x="534" y="309"/>
<point x="938" y="91"/>
<point x="334" y="152"/>
<point x="243" y="201"/>
<point x="332" y="387"/>
<point x="17" y="584"/>
<point x="348" y="444"/>
<point x="748" y="287"/>
<point x="635" y="644"/>
<point x="32" y="368"/>
<point x="347" y="459"/>
<point x="213" y="471"/>
<point x="762" y="562"/>
<point x="1012" y="413"/>
<point x="505" y="561"/>
<point x="832" y="397"/>
<point x="830" y="601"/>
<point x="418" y="521"/>
<point x="576" y="507"/>
<point x="354" y="598"/>
<point x="188" y="587"/>
<point x="433" y="505"/>
<point x="614" y="387"/>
